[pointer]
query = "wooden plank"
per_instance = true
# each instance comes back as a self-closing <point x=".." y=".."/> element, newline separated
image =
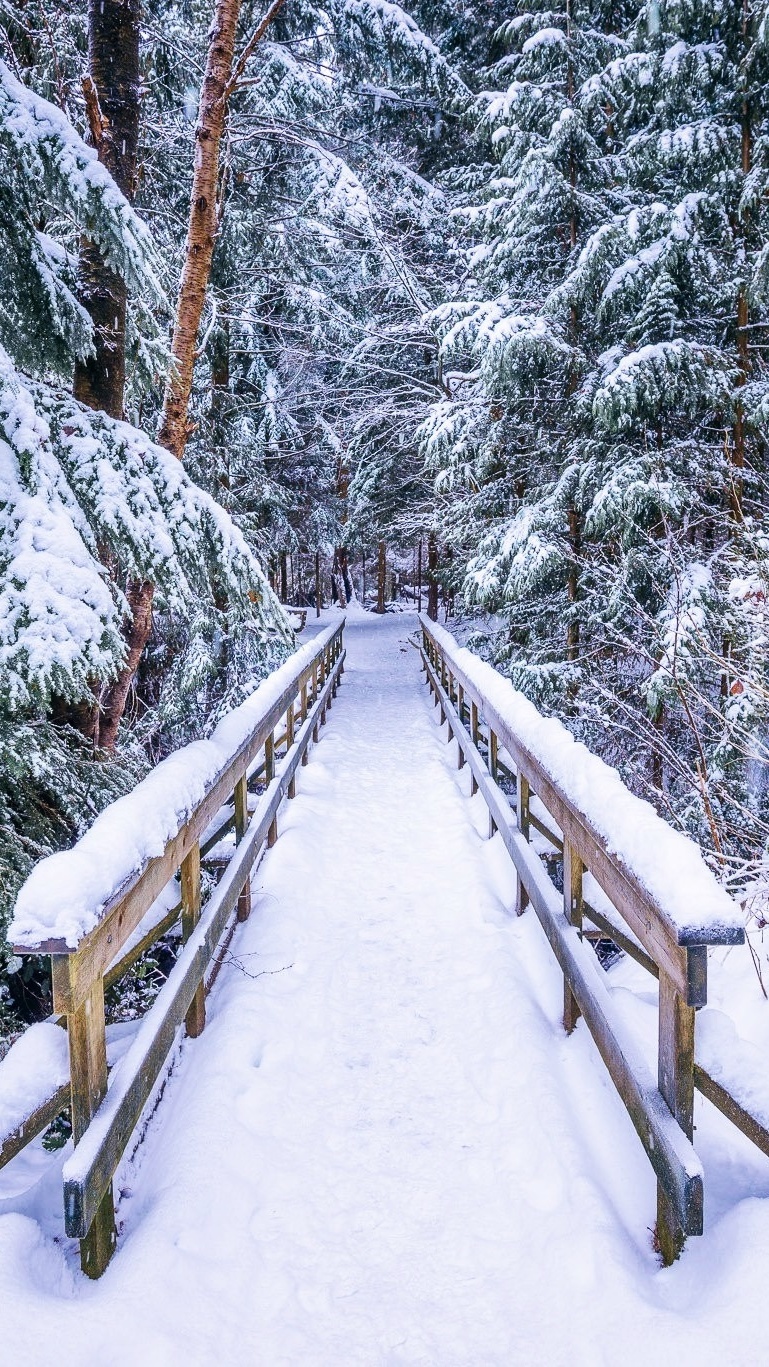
<point x="88" y="1087"/>
<point x="89" y="1170"/>
<point x="303" y="718"/>
<point x="241" y="826"/>
<point x="731" y="1108"/>
<point x="155" y="933"/>
<point x="493" y="749"/>
<point x="523" y="814"/>
<point x="669" y="1150"/>
<point x="37" y="1121"/>
<point x="621" y="939"/>
<point x="676" y="1083"/>
<point x="196" y="1015"/>
<point x="289" y="743"/>
<point x="572" y="906"/>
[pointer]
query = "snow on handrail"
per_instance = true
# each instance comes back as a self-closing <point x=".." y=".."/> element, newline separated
<point x="664" y="863"/>
<point x="67" y="894"/>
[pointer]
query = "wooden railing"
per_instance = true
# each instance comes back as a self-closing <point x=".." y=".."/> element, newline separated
<point x="639" y="922"/>
<point x="104" y="1120"/>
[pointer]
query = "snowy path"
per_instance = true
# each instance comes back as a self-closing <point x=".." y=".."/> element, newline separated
<point x="384" y="1151"/>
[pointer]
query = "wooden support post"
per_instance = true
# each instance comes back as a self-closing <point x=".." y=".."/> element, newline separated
<point x="88" y="1086"/>
<point x="676" y="1083"/>
<point x="523" y="795"/>
<point x="461" y="711"/>
<point x="289" y="743"/>
<point x="493" y="770"/>
<point x="315" y="691"/>
<point x="196" y="1016"/>
<point x="269" y="774"/>
<point x="241" y="826"/>
<point x="572" y="906"/>
<point x="475" y="733"/>
<point x="304" y="705"/>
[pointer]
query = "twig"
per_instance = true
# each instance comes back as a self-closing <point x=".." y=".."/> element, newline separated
<point x="255" y="38"/>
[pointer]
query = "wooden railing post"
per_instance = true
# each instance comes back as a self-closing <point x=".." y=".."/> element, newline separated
<point x="316" y="687"/>
<point x="676" y="1083"/>
<point x="241" y="826"/>
<point x="88" y="1087"/>
<point x="269" y="774"/>
<point x="493" y="770"/>
<point x="523" y="797"/>
<point x="572" y="906"/>
<point x="289" y="743"/>
<point x="475" y="734"/>
<point x="461" y="710"/>
<point x="303" y="695"/>
<point x="196" y="1016"/>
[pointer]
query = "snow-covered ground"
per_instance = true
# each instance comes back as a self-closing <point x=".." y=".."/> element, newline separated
<point x="383" y="1150"/>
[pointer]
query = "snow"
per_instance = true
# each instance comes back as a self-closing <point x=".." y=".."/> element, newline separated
<point x="37" y="1064"/>
<point x="663" y="860"/>
<point x="382" y="1149"/>
<point x="65" y="894"/>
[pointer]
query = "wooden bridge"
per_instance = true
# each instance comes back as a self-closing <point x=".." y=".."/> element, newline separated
<point x="547" y="799"/>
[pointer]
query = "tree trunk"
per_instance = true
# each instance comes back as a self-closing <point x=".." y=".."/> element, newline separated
<point x="283" y="577"/>
<point x="381" y="577"/>
<point x="218" y="82"/>
<point x="202" y="224"/>
<point x="432" y="577"/>
<point x="419" y="576"/>
<point x="743" y="352"/>
<point x="111" y="90"/>
<point x="114" y="699"/>
<point x="572" y="583"/>
<point x="318" y="586"/>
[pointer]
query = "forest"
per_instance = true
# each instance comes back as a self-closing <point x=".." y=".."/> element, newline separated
<point x="458" y="306"/>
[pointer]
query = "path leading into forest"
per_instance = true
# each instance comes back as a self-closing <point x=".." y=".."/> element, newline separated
<point x="383" y="1150"/>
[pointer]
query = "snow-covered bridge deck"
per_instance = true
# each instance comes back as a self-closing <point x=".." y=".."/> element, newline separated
<point x="383" y="1149"/>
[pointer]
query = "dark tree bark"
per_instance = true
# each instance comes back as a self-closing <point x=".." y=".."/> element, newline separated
<point x="341" y="582"/>
<point x="432" y="577"/>
<point x="111" y="91"/>
<point x="283" y="577"/>
<point x="318" y="586"/>
<point x="381" y="580"/>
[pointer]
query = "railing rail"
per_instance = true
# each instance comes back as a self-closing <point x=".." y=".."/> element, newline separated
<point x="661" y="1109"/>
<point x="103" y="1121"/>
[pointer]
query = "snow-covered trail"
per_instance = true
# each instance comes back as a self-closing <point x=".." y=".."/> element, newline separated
<point x="383" y="1150"/>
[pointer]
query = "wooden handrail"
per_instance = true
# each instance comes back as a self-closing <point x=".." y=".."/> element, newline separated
<point x="662" y="1113"/>
<point x="103" y="1122"/>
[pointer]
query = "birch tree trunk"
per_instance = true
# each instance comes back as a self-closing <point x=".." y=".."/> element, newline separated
<point x="219" y="80"/>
